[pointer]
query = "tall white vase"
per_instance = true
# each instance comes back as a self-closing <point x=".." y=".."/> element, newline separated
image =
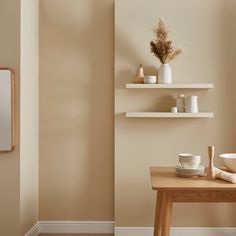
<point x="165" y="74"/>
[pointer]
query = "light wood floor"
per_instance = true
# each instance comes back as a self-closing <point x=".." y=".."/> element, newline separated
<point x="76" y="234"/>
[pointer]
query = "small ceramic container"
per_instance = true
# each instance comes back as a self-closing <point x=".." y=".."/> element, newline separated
<point x="174" y="109"/>
<point x="180" y="103"/>
<point x="191" y="104"/>
<point x="229" y="160"/>
<point x="189" y="161"/>
<point x="150" y="79"/>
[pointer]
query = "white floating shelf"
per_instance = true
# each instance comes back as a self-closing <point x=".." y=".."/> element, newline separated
<point x="170" y="86"/>
<point x="169" y="115"/>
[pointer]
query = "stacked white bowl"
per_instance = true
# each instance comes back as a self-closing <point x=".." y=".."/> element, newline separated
<point x="189" y="161"/>
<point x="189" y="165"/>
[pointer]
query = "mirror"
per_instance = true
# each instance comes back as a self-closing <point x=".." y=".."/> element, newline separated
<point x="7" y="139"/>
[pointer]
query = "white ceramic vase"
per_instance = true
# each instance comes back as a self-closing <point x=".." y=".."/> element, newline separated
<point x="165" y="74"/>
<point x="191" y="104"/>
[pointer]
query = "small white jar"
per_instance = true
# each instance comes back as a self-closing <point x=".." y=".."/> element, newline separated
<point x="180" y="103"/>
<point x="174" y="109"/>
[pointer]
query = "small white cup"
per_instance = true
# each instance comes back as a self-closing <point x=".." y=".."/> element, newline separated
<point x="149" y="79"/>
<point x="174" y="109"/>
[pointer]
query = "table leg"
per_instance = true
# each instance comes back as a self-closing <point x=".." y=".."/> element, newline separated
<point x="157" y="226"/>
<point x="166" y="213"/>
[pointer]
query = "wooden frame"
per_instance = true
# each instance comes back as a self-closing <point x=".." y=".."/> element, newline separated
<point x="12" y="111"/>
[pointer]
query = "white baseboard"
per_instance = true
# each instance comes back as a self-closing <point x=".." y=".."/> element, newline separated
<point x="34" y="231"/>
<point x="177" y="231"/>
<point x="71" y="227"/>
<point x="108" y="227"/>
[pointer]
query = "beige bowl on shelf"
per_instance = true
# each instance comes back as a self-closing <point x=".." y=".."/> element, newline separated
<point x="229" y="161"/>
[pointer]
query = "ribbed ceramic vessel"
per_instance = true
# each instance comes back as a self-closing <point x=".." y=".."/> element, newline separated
<point x="191" y="104"/>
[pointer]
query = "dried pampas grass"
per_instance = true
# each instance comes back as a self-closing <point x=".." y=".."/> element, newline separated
<point x="161" y="47"/>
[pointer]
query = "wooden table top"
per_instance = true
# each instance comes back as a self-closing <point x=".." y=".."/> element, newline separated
<point x="164" y="178"/>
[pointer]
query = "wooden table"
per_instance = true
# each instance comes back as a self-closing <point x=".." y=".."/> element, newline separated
<point x="171" y="188"/>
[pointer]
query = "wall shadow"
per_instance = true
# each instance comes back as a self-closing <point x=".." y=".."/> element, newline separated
<point x="76" y="110"/>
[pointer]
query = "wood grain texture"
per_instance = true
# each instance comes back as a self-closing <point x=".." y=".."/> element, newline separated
<point x="211" y="175"/>
<point x="204" y="196"/>
<point x="164" y="178"/>
<point x="174" y="189"/>
<point x="166" y="213"/>
<point x="158" y="216"/>
<point x="13" y="108"/>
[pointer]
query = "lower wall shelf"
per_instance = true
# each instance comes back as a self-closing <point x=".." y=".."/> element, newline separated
<point x="169" y="115"/>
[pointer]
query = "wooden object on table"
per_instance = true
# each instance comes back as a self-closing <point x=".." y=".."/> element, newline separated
<point x="138" y="79"/>
<point x="171" y="188"/>
<point x="211" y="170"/>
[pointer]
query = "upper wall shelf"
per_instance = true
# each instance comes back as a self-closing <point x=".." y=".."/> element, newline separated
<point x="169" y="115"/>
<point x="170" y="86"/>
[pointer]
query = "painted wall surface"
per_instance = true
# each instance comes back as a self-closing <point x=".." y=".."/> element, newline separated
<point x="206" y="30"/>
<point x="76" y="109"/>
<point x="29" y="136"/>
<point x="10" y="162"/>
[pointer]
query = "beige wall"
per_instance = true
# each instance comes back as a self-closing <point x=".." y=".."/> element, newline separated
<point x="206" y="29"/>
<point x="29" y="185"/>
<point x="76" y="106"/>
<point x="18" y="169"/>
<point x="76" y="110"/>
<point x="9" y="162"/>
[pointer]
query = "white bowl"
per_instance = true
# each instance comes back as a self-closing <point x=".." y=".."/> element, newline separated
<point x="190" y="165"/>
<point x="150" y="79"/>
<point x="189" y="161"/>
<point x="189" y="155"/>
<point x="229" y="160"/>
